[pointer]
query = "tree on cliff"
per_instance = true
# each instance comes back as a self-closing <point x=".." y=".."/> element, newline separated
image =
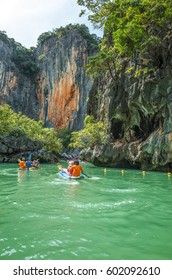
<point x="135" y="30"/>
<point x="61" y="32"/>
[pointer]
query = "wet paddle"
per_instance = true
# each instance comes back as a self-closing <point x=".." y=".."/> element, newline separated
<point x="59" y="166"/>
<point x="86" y="175"/>
<point x="30" y="157"/>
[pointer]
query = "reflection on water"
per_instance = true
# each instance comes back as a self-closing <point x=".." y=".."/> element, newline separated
<point x="22" y="175"/>
<point x="111" y="215"/>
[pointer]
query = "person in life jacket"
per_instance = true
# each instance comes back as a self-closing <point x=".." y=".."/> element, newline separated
<point x="22" y="164"/>
<point x="35" y="163"/>
<point x="71" y="163"/>
<point x="28" y="164"/>
<point x="76" y="169"/>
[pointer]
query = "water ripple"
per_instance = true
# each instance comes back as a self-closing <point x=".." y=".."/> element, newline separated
<point x="102" y="205"/>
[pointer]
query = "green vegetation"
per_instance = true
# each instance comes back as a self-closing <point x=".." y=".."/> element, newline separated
<point x="25" y="60"/>
<point x="64" y="134"/>
<point x="59" y="33"/>
<point x="42" y="57"/>
<point x="16" y="124"/>
<point x="94" y="133"/>
<point x="4" y="37"/>
<point x="134" y="30"/>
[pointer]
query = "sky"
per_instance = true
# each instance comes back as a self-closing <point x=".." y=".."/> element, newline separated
<point x="26" y="20"/>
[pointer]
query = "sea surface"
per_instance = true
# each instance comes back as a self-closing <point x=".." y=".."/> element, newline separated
<point x="113" y="215"/>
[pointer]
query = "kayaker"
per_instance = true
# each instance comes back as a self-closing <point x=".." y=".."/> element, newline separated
<point x="76" y="169"/>
<point x="71" y="163"/>
<point x="28" y="164"/>
<point x="22" y="163"/>
<point x="36" y="163"/>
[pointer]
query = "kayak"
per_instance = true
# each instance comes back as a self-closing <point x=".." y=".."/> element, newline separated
<point x="30" y="168"/>
<point x="22" y="169"/>
<point x="63" y="174"/>
<point x="34" y="168"/>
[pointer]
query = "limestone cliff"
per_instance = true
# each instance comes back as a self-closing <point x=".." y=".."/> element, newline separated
<point x="16" y="88"/>
<point x="50" y="82"/>
<point x="138" y="115"/>
<point x="63" y="87"/>
<point x="47" y="83"/>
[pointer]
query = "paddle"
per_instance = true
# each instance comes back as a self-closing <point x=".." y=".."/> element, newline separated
<point x="30" y="157"/>
<point x="59" y="167"/>
<point x="86" y="175"/>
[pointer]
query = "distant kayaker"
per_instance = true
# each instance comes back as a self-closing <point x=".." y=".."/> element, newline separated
<point x="22" y="163"/>
<point x="76" y="169"/>
<point x="36" y="163"/>
<point x="28" y="164"/>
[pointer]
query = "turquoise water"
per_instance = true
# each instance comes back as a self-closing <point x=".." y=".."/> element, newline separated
<point x="112" y="215"/>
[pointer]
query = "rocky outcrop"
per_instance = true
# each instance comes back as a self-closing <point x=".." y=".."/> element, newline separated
<point x="14" y="148"/>
<point x="155" y="153"/>
<point x="16" y="89"/>
<point x="138" y="115"/>
<point x="63" y="87"/>
<point x="49" y="83"/>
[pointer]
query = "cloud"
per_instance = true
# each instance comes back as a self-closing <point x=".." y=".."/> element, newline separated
<point x="26" y="20"/>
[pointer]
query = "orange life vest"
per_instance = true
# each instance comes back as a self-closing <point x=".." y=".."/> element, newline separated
<point x="22" y="164"/>
<point x="76" y="170"/>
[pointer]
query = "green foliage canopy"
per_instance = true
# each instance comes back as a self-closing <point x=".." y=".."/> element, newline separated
<point x="60" y="32"/>
<point x="64" y="134"/>
<point x="94" y="133"/>
<point x="133" y="29"/>
<point x="25" y="59"/>
<point x="18" y="125"/>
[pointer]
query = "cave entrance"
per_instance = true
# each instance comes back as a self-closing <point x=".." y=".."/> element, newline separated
<point x="116" y="129"/>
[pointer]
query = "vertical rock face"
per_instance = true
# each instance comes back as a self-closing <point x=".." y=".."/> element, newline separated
<point x="138" y="112"/>
<point x="16" y="89"/>
<point x="63" y="87"/>
<point x="57" y="92"/>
